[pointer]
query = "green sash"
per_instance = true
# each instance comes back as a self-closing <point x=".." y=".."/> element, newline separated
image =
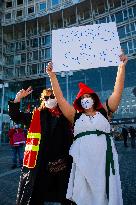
<point x="109" y="155"/>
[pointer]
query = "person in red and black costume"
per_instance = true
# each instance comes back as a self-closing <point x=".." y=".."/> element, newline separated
<point x="46" y="164"/>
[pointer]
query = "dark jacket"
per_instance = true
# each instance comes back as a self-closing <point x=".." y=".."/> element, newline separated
<point x="124" y="132"/>
<point x="132" y="132"/>
<point x="56" y="137"/>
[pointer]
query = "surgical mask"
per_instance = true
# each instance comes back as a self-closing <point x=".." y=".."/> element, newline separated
<point x="50" y="103"/>
<point x="87" y="103"/>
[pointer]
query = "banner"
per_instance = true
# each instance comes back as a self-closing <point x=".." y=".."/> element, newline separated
<point x="85" y="47"/>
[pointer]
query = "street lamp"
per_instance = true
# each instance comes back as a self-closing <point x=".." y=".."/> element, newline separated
<point x="3" y="86"/>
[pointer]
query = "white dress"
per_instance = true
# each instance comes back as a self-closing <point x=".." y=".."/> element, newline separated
<point x="87" y="183"/>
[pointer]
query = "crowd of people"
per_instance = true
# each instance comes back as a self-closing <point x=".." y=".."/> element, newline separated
<point x="129" y="132"/>
<point x="124" y="132"/>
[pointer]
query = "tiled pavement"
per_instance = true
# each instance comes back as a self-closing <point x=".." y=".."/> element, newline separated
<point x="9" y="178"/>
<point x="127" y="162"/>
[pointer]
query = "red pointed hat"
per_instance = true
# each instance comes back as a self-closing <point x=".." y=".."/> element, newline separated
<point x="84" y="89"/>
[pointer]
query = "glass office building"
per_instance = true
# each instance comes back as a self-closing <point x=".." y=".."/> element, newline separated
<point x="26" y="33"/>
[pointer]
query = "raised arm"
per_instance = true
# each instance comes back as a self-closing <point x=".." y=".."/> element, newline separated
<point x="115" y="97"/>
<point x="14" y="108"/>
<point x="67" y="110"/>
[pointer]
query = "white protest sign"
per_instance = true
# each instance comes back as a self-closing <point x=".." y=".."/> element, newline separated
<point x="85" y="47"/>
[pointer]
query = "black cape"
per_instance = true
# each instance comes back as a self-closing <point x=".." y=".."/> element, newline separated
<point x="38" y="184"/>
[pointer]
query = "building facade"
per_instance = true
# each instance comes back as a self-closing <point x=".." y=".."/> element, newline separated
<point x="26" y="33"/>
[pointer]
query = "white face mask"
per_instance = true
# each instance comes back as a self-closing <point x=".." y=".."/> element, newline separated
<point x="51" y="103"/>
<point x="87" y="103"/>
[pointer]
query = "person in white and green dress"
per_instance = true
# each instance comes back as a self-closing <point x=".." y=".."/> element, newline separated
<point x="94" y="178"/>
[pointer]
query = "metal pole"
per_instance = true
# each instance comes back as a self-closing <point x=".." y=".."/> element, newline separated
<point x="2" y="106"/>
<point x="26" y="49"/>
<point x="101" y="83"/>
<point x="67" y="91"/>
<point x="85" y="79"/>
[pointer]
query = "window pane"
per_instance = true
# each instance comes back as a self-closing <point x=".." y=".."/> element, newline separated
<point x="133" y="28"/>
<point x="134" y="10"/>
<point x="19" y="2"/>
<point x="130" y="13"/>
<point x="130" y="47"/>
<point x="28" y="43"/>
<point x="107" y="19"/>
<point x="100" y="7"/>
<point x="17" y="59"/>
<point x="35" y="42"/>
<point x="134" y="42"/>
<point x="23" y="58"/>
<point x="60" y="23"/>
<point x="113" y="18"/>
<point x="130" y="44"/>
<point x="8" y="4"/>
<point x="55" y="2"/>
<point x="72" y="19"/>
<point x="21" y="70"/>
<point x="10" y="47"/>
<point x="117" y="3"/>
<point x="8" y="16"/>
<point x="43" y="54"/>
<point x="86" y="14"/>
<point x="35" y="55"/>
<point x="34" y="69"/>
<point x="23" y="45"/>
<point x="121" y="32"/>
<point x="30" y="10"/>
<point x="11" y="60"/>
<point x="47" y="39"/>
<point x="127" y="30"/>
<point x="124" y="47"/>
<point x="18" y="46"/>
<point x="42" y="6"/>
<point x="19" y="13"/>
<point x="111" y="4"/>
<point x="123" y="2"/>
<point x="29" y="56"/>
<point x="47" y="53"/>
<point x="125" y="15"/>
<point x="43" y="40"/>
<point x="102" y="20"/>
<point x="119" y="17"/>
<point x="128" y="1"/>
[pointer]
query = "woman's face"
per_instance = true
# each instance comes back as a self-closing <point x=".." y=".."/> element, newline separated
<point x="50" y="101"/>
<point x="86" y="101"/>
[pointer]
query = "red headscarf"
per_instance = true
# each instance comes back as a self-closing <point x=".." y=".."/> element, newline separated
<point x="84" y="89"/>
